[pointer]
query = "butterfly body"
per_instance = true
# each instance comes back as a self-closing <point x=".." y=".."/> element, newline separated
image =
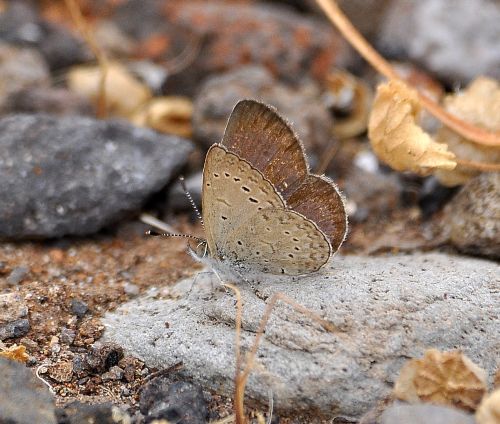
<point x="265" y="215"/>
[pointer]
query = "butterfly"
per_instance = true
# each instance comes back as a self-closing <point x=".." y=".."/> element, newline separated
<point x="264" y="213"/>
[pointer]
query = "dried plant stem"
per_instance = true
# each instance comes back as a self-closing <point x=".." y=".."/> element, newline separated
<point x="102" y="60"/>
<point x="352" y="35"/>
<point x="486" y="167"/>
<point x="239" y="390"/>
<point x="241" y="377"/>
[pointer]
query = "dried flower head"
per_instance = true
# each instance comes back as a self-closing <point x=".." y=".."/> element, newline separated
<point x="446" y="378"/>
<point x="489" y="410"/>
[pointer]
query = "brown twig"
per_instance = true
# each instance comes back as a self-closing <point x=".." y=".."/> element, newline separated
<point x="102" y="60"/>
<point x="352" y="35"/>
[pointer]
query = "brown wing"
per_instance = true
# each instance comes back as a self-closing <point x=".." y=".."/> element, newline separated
<point x="257" y="133"/>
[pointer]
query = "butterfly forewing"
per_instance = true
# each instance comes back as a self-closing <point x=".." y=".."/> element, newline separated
<point x="233" y="191"/>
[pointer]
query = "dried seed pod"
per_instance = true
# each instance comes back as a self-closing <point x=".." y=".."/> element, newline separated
<point x="445" y="378"/>
<point x="489" y="410"/>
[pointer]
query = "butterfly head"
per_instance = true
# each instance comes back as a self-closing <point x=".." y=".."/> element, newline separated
<point x="198" y="251"/>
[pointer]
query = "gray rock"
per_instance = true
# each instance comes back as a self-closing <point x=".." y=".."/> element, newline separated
<point x="301" y="106"/>
<point x="23" y="398"/>
<point x="20" y="24"/>
<point x="20" y="68"/>
<point x="424" y="414"/>
<point x="74" y="175"/>
<point x="79" y="308"/>
<point x="471" y="220"/>
<point x="13" y="316"/>
<point x="181" y="401"/>
<point x="17" y="275"/>
<point x="457" y="43"/>
<point x="387" y="309"/>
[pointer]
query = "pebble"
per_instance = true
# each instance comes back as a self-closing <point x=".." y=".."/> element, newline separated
<point x="109" y="169"/>
<point x="471" y="220"/>
<point x="385" y="309"/>
<point x="99" y="413"/>
<point x="24" y="398"/>
<point x="13" y="316"/>
<point x="103" y="356"/>
<point x="178" y="402"/>
<point x="20" y="24"/>
<point x="67" y="335"/>
<point x="22" y="68"/>
<point x="17" y="275"/>
<point x="115" y="373"/>
<point x="79" y="308"/>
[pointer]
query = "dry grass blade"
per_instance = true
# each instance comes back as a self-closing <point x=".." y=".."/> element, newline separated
<point x="352" y="35"/>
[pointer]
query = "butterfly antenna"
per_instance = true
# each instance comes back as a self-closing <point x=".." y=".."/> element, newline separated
<point x="167" y="230"/>
<point x="190" y="198"/>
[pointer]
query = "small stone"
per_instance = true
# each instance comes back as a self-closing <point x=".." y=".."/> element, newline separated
<point x="471" y="220"/>
<point x="131" y="289"/>
<point x="81" y="413"/>
<point x="79" y="308"/>
<point x="160" y="399"/>
<point x="115" y="373"/>
<point x="22" y="68"/>
<point x="104" y="356"/>
<point x="20" y="24"/>
<point x="17" y="275"/>
<point x="89" y="331"/>
<point x="67" y="336"/>
<point x="24" y="399"/>
<point x="424" y="414"/>
<point x="12" y="316"/>
<point x="62" y="372"/>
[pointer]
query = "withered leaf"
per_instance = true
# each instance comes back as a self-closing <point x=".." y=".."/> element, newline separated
<point x="396" y="137"/>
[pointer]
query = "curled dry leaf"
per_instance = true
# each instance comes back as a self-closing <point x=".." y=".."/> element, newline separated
<point x="478" y="104"/>
<point x="397" y="139"/>
<point x="15" y="353"/>
<point x="171" y="115"/>
<point x="445" y="378"/>
<point x="352" y="97"/>
<point x="489" y="410"/>
<point x="123" y="92"/>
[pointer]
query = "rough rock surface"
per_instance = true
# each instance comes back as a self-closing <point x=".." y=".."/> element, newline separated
<point x="13" y="316"/>
<point x="301" y="106"/>
<point x="24" y="399"/>
<point x="75" y="175"/>
<point x="472" y="219"/>
<point x="457" y="43"/>
<point x="386" y="309"/>
<point x="424" y="414"/>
